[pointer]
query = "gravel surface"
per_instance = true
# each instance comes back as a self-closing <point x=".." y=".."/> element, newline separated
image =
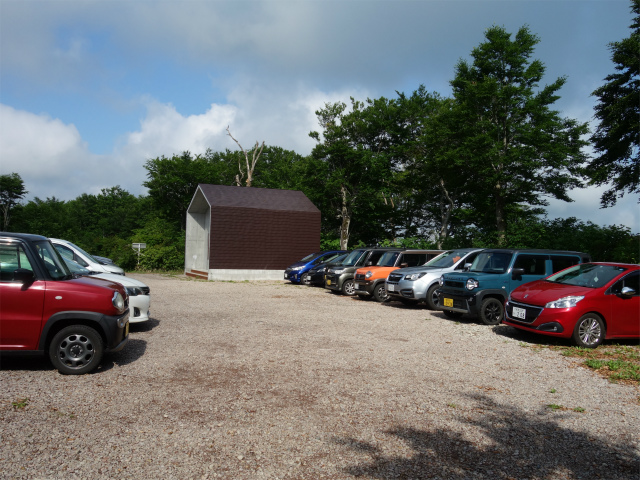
<point x="273" y="380"/>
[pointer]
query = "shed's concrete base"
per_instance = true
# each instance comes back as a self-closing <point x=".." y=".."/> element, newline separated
<point x="240" y="275"/>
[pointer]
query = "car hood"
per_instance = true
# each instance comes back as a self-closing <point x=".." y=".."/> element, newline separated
<point x="541" y="292"/>
<point x="122" y="280"/>
<point x="297" y="264"/>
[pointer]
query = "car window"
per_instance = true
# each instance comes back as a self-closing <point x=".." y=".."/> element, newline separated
<point x="52" y="260"/>
<point x="632" y="281"/>
<point x="353" y="258"/>
<point x="445" y="260"/>
<point x="491" y="262"/>
<point x="388" y="259"/>
<point x="12" y="257"/>
<point x="373" y="258"/>
<point x="469" y="259"/>
<point x="560" y="262"/>
<point x="587" y="275"/>
<point x="413" y="259"/>
<point x="69" y="254"/>
<point x="532" y="264"/>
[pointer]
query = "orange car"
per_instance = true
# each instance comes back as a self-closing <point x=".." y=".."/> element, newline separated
<point x="369" y="281"/>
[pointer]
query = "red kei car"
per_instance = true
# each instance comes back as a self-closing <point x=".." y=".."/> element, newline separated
<point x="587" y="303"/>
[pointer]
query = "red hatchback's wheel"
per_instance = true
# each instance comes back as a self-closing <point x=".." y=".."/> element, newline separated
<point x="589" y="331"/>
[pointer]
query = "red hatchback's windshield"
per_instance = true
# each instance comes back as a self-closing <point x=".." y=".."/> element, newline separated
<point x="587" y="275"/>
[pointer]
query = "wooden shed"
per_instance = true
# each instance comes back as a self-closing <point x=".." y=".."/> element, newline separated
<point x="247" y="233"/>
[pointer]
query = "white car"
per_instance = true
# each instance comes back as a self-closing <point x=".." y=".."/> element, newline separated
<point x="69" y="251"/>
<point x="139" y="293"/>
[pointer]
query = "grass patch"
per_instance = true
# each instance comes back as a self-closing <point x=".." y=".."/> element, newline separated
<point x="618" y="363"/>
<point x="20" y="404"/>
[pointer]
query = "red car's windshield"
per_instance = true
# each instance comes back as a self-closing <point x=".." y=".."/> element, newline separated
<point x="587" y="275"/>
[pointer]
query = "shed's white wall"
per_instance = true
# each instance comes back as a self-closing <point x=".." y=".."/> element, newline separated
<point x="197" y="241"/>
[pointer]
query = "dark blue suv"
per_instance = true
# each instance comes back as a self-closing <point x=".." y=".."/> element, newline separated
<point x="298" y="272"/>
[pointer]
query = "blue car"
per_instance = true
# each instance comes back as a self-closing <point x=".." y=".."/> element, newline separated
<point x="298" y="272"/>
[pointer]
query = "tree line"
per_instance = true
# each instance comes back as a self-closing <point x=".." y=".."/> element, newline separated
<point x="416" y="170"/>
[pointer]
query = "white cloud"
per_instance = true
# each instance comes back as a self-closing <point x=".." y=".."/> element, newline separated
<point x="586" y="207"/>
<point x="49" y="155"/>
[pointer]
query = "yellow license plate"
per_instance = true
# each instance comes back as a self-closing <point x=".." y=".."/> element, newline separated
<point x="447" y="302"/>
<point x="328" y="282"/>
<point x="126" y="329"/>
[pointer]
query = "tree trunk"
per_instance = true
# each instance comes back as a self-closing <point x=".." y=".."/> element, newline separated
<point x="501" y="224"/>
<point x="346" y="219"/>
<point x="446" y="210"/>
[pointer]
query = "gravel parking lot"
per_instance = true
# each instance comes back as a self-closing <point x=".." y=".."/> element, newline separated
<point x="273" y="380"/>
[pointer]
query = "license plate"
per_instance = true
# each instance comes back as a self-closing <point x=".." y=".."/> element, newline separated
<point x="519" y="313"/>
<point x="391" y="288"/>
<point x="126" y="329"/>
<point x="356" y="286"/>
<point x="328" y="282"/>
<point x="447" y="302"/>
<point x="285" y="276"/>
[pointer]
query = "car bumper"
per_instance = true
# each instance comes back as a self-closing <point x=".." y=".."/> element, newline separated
<point x="363" y="287"/>
<point x="293" y="276"/>
<point x="454" y="302"/>
<point x="548" y="321"/>
<point x="405" y="290"/>
<point x="334" y="282"/>
<point x="139" y="308"/>
<point x="117" y="337"/>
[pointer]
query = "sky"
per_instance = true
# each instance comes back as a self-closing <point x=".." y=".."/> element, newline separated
<point x="92" y="89"/>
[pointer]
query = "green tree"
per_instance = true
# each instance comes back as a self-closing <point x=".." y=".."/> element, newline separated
<point x="11" y="192"/>
<point x="518" y="148"/>
<point x="173" y="181"/>
<point x="435" y="178"/>
<point x="355" y="160"/>
<point x="617" y="137"/>
<point x="48" y="217"/>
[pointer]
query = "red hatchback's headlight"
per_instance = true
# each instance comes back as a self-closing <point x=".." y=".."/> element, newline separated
<point x="564" y="302"/>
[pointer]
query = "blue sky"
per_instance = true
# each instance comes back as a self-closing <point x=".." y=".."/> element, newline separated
<point x="91" y="89"/>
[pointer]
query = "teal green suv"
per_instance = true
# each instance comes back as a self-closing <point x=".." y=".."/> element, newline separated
<point x="483" y="289"/>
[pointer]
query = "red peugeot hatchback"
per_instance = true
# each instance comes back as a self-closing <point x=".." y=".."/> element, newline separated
<point x="587" y="303"/>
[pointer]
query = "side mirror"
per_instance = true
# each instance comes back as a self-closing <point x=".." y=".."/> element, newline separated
<point x="627" y="292"/>
<point x="466" y="267"/>
<point x="516" y="273"/>
<point x="23" y="276"/>
<point x="404" y="265"/>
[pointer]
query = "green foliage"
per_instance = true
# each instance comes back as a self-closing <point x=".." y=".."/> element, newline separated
<point x="165" y="245"/>
<point x="11" y="192"/>
<point x="616" y="139"/>
<point x="518" y="148"/>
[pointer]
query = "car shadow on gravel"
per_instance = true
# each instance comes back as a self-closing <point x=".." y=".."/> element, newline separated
<point x="546" y="340"/>
<point x="517" y="445"/>
<point x="32" y="363"/>
<point x="132" y="351"/>
<point x="143" y="326"/>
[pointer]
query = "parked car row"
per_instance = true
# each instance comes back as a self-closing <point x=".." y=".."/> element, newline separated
<point x="550" y="292"/>
<point x="60" y="301"/>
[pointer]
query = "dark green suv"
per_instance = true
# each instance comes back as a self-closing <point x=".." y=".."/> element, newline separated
<point x="483" y="289"/>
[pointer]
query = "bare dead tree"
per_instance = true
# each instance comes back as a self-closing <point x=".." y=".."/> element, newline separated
<point x="250" y="165"/>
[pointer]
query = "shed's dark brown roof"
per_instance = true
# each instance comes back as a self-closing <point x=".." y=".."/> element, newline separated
<point x="262" y="198"/>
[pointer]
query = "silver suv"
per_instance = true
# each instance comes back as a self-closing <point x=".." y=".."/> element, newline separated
<point x="419" y="284"/>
